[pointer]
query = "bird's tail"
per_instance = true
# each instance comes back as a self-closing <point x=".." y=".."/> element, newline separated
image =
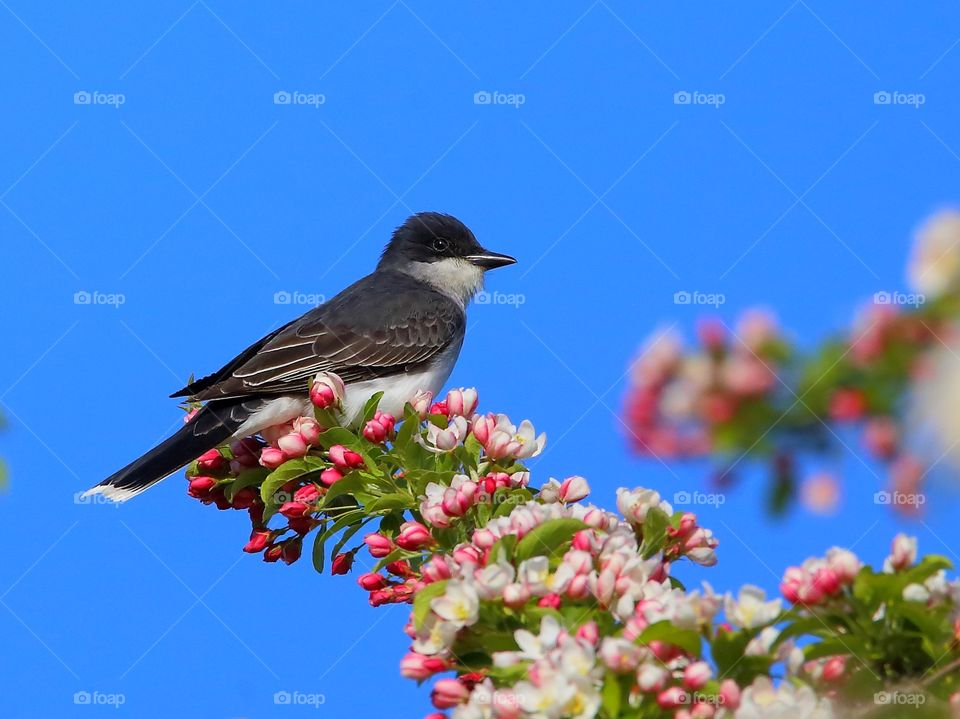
<point x="214" y="424"/>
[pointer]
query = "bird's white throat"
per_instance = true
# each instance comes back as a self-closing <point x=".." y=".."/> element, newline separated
<point x="453" y="276"/>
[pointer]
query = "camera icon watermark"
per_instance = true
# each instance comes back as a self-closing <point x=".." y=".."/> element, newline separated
<point x="711" y="99"/>
<point x="311" y="299"/>
<point x="301" y="699"/>
<point x="296" y="97"/>
<point x="111" y="99"/>
<point x="712" y="299"/>
<point x="96" y="698"/>
<point x="712" y="499"/>
<point x="515" y="300"/>
<point x="96" y="298"/>
<point x="511" y="99"/>
<point x="900" y="499"/>
<point x="895" y="97"/>
<point x="912" y="299"/>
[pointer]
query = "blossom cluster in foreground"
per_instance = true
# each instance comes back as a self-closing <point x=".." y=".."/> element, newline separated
<point x="528" y="602"/>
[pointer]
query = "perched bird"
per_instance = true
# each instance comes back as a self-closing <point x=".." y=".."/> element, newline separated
<point x="398" y="330"/>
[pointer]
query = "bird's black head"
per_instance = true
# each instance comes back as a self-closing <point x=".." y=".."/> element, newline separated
<point x="430" y="237"/>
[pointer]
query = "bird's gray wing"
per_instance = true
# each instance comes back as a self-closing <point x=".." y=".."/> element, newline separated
<point x="378" y="327"/>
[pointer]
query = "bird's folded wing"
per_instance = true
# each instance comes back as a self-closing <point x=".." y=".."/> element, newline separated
<point x="359" y="335"/>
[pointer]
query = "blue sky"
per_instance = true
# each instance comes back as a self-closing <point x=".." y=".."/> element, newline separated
<point x="178" y="184"/>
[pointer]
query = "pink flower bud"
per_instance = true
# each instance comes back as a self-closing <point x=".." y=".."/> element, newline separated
<point x="483" y="427"/>
<point x="293" y="510"/>
<point x="903" y="552"/>
<point x="308" y="495"/>
<point x="696" y="675"/>
<point x="462" y="402"/>
<point x="271" y="457"/>
<point x="834" y="668"/>
<point x="344" y="458"/>
<point x="516" y="595"/>
<point x="292" y="446"/>
<point x="259" y="539"/>
<point x="448" y="693"/>
<point x="273" y="553"/>
<point x="374" y="432"/>
<point x="329" y="476"/>
<point x="847" y="405"/>
<point x="201" y="486"/>
<point x="420" y="667"/>
<point x="413" y="536"/>
<point x="729" y="694"/>
<point x="484" y="538"/>
<point x="421" y="403"/>
<point x="672" y="698"/>
<point x="245" y="498"/>
<point x="379" y="545"/>
<point x="291" y="550"/>
<point x="651" y="677"/>
<point x="327" y="391"/>
<point x="589" y="633"/>
<point x="372" y="581"/>
<point x="342" y="563"/>
<point x="309" y="429"/>
<point x="573" y="489"/>
<point x="211" y="461"/>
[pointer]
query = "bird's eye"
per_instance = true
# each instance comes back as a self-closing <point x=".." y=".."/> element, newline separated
<point x="440" y="244"/>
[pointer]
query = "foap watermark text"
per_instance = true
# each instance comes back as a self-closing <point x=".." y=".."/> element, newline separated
<point x="296" y="97"/>
<point x="713" y="299"/>
<point x="506" y="299"/>
<point x="711" y="99"/>
<point x="511" y="99"/>
<point x="96" y="298"/>
<point x="111" y="99"/>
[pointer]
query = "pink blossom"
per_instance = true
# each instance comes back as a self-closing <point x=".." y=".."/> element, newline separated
<point x="327" y="390"/>
<point x="462" y="402"/>
<point x="573" y="489"/>
<point x="379" y="545"/>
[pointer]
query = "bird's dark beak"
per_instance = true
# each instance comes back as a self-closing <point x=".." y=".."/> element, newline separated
<point x="491" y="260"/>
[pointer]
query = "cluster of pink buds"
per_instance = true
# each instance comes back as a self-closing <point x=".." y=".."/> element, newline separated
<point x="379" y="429"/>
<point x="694" y="542"/>
<point x="289" y="441"/>
<point x="443" y="504"/>
<point x="676" y="399"/>
<point x="396" y="587"/>
<point x="819" y="580"/>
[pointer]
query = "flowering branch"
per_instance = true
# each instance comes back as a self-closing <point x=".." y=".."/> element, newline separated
<point x="533" y="604"/>
<point x="748" y="392"/>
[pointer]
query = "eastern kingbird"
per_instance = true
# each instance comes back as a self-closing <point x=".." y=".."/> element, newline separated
<point x="398" y="330"/>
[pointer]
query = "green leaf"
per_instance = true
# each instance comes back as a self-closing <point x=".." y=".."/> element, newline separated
<point x="503" y="549"/>
<point x="612" y="696"/>
<point x="549" y="538"/>
<point x="390" y="502"/>
<point x="295" y="469"/>
<point x="345" y="537"/>
<point x="665" y="631"/>
<point x="655" y="527"/>
<point x="421" y="603"/>
<point x="248" y="478"/>
<point x="351" y="484"/>
<point x="339" y="435"/>
<point x="370" y="408"/>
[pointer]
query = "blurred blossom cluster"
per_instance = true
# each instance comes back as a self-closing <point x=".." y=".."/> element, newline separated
<point x="529" y="603"/>
<point x="885" y="387"/>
